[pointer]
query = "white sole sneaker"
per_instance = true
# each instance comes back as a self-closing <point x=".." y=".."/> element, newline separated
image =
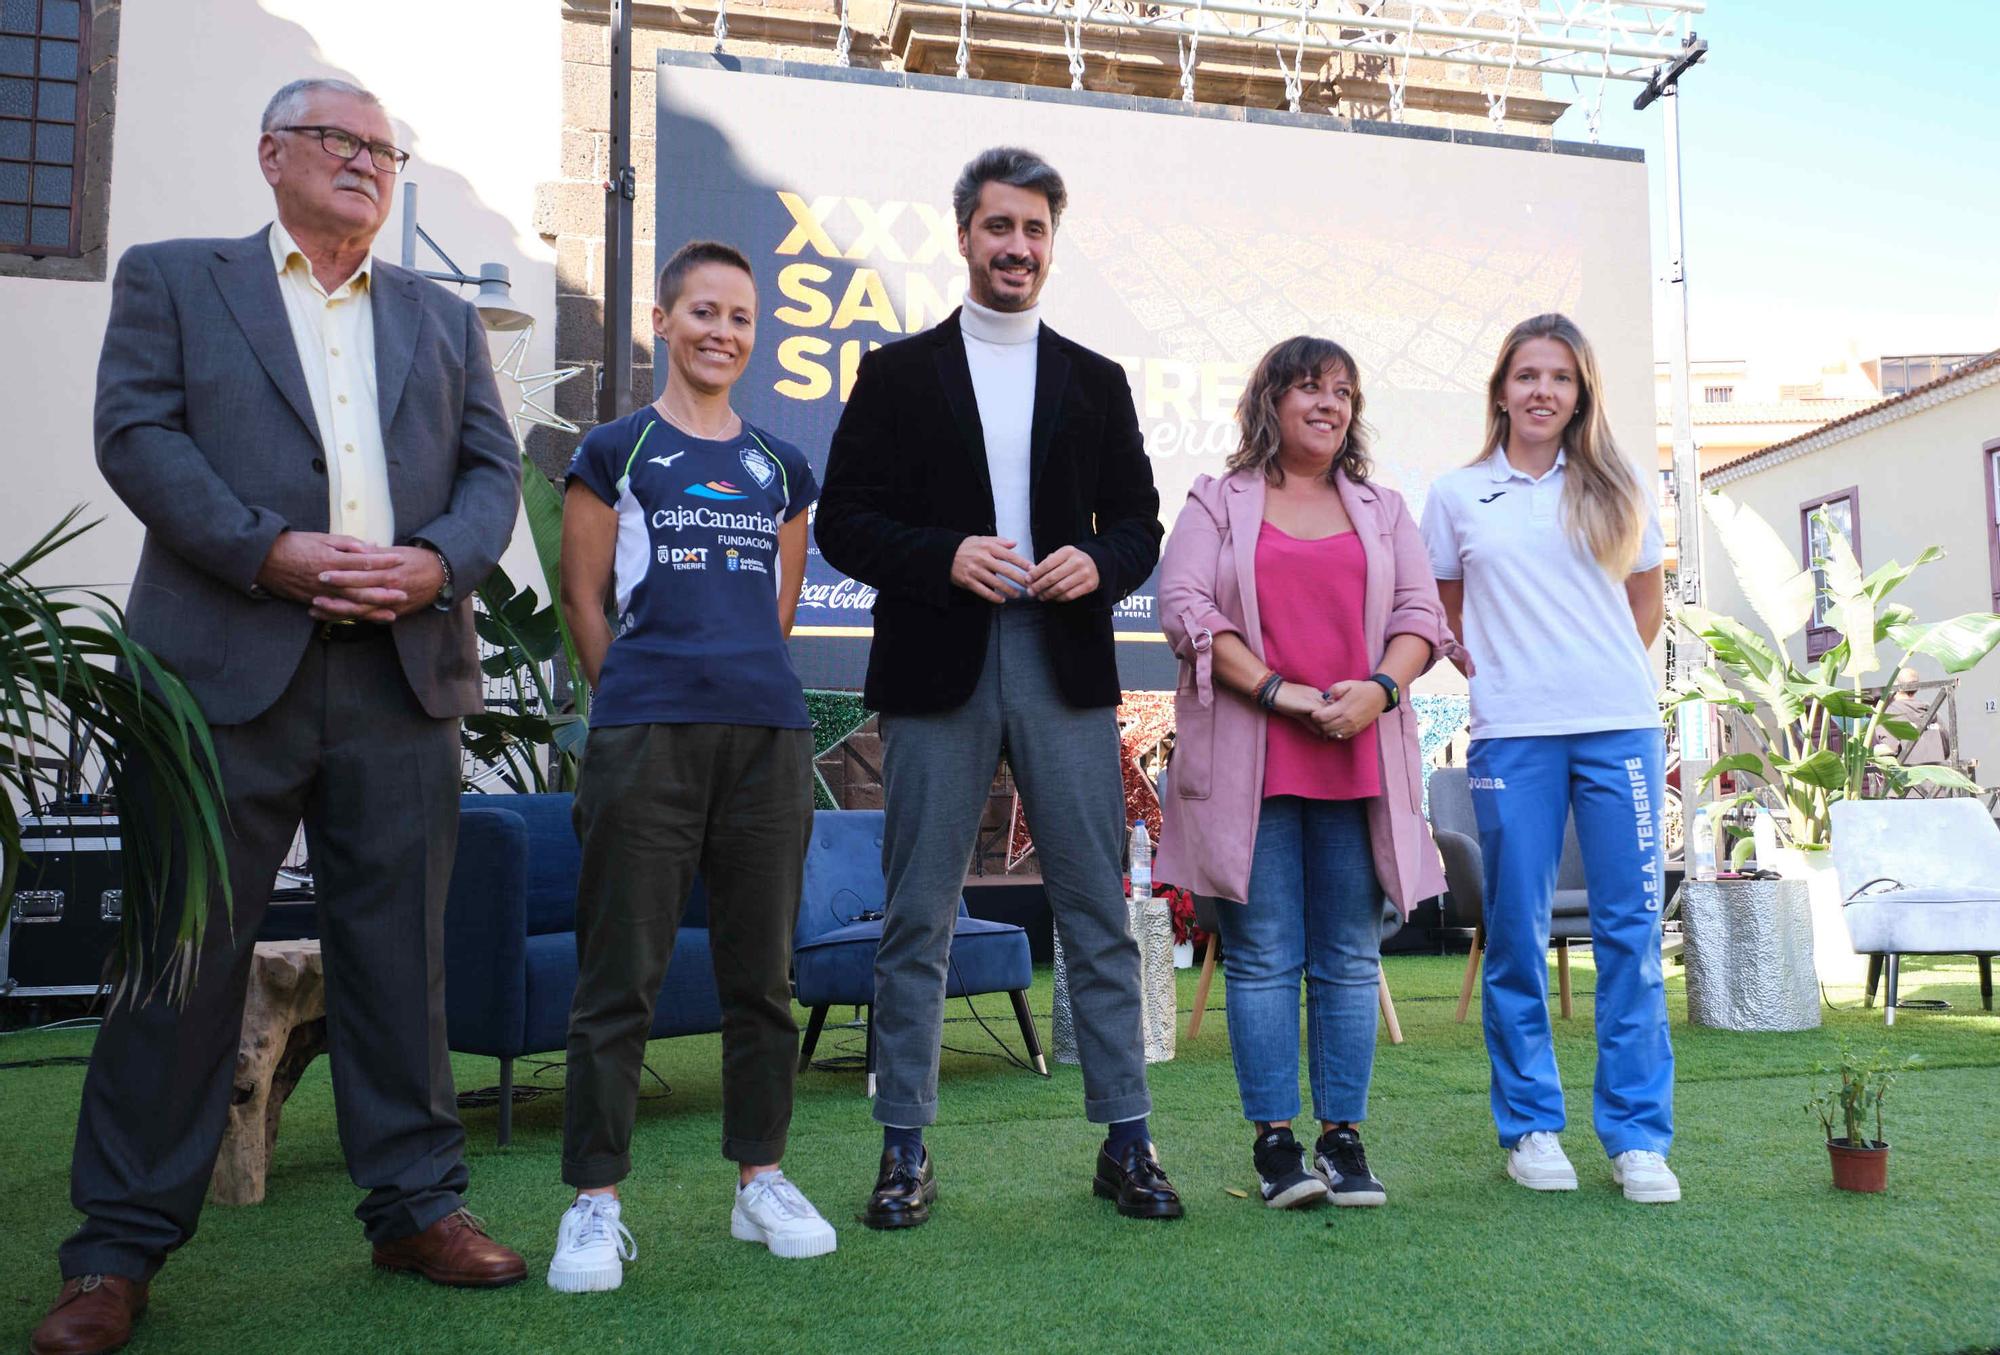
<point x="792" y="1245"/>
<point x="585" y="1279"/>
<point x="1304" y="1194"/>
<point x="1542" y="1180"/>
<point x="1662" y="1194"/>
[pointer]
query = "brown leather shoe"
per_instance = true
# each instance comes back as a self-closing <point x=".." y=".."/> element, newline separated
<point x="455" y="1251"/>
<point x="93" y="1313"/>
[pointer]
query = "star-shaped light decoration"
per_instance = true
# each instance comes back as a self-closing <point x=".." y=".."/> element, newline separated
<point x="530" y="385"/>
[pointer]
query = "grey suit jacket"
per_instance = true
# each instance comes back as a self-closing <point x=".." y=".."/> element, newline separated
<point x="206" y="431"/>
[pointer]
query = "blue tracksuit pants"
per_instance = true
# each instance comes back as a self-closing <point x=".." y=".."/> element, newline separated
<point x="1523" y="792"/>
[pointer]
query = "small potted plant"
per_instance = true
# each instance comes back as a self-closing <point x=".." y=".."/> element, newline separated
<point x="1859" y="1164"/>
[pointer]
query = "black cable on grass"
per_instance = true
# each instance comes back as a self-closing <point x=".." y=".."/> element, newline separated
<point x="484" y="1097"/>
<point x="853" y="1062"/>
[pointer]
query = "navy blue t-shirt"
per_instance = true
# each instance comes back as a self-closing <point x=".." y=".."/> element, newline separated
<point x="696" y="573"/>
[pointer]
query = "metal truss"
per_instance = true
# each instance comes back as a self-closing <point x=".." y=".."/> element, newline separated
<point x="1584" y="40"/>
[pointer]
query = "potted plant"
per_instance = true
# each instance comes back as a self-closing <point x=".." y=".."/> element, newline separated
<point x="75" y="687"/>
<point x="1859" y="1163"/>
<point x="1815" y="723"/>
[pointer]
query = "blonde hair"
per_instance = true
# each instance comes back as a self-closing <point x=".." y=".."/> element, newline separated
<point x="1601" y="500"/>
<point x="1288" y="363"/>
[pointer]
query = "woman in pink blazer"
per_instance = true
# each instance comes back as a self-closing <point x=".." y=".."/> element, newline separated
<point x="1301" y="602"/>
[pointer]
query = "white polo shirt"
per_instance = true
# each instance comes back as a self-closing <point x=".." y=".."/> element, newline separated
<point x="1551" y="635"/>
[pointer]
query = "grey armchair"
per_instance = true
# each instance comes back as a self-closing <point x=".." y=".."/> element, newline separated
<point x="1922" y="877"/>
<point x="1457" y="834"/>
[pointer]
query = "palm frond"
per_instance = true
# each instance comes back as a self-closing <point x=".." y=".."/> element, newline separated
<point x="75" y="686"/>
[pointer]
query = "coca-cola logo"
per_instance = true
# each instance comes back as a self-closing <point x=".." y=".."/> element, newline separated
<point x="843" y="596"/>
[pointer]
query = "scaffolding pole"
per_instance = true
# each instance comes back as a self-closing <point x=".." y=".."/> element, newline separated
<point x="1689" y="652"/>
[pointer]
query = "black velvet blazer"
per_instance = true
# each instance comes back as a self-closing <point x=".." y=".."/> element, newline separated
<point x="906" y="482"/>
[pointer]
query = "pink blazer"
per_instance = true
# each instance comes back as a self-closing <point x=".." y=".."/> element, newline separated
<point x="1215" y="786"/>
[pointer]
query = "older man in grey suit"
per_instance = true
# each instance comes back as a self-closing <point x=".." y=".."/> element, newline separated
<point x="315" y="445"/>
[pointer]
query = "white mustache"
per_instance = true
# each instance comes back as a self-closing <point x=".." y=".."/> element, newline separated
<point x="347" y="178"/>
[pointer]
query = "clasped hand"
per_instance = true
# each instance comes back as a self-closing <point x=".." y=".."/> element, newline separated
<point x="1340" y="712"/>
<point x="989" y="567"/>
<point x="343" y="578"/>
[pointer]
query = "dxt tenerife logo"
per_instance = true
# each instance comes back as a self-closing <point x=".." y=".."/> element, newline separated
<point x="716" y="489"/>
<point x="684" y="557"/>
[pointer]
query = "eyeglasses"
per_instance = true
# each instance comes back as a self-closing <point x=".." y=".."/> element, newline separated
<point x="343" y="145"/>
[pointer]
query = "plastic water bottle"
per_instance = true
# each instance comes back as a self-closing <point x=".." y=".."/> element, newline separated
<point x="1701" y="846"/>
<point x="1764" y="832"/>
<point x="1142" y="862"/>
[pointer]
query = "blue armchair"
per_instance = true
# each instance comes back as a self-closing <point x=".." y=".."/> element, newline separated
<point x="510" y="939"/>
<point x="840" y="927"/>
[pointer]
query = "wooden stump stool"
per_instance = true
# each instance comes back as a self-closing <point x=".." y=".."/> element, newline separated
<point x="284" y="1030"/>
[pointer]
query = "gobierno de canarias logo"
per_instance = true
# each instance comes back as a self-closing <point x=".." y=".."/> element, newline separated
<point x="716" y="489"/>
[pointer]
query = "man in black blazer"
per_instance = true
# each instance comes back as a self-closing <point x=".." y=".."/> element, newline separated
<point x="989" y="480"/>
<point x="315" y="445"/>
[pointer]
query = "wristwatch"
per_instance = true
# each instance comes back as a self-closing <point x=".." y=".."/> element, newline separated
<point x="446" y="596"/>
<point x="1388" y="685"/>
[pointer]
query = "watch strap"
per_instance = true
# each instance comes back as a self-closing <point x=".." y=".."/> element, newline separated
<point x="1389" y="688"/>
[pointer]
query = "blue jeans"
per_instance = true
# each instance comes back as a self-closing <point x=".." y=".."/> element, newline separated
<point x="1314" y="912"/>
<point x="1523" y="792"/>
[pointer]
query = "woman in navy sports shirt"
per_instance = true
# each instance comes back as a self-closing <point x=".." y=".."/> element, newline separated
<point x="688" y="525"/>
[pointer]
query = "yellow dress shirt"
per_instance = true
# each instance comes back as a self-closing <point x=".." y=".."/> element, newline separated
<point x="335" y="336"/>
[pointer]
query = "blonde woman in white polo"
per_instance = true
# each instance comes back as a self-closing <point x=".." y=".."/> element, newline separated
<point x="1547" y="553"/>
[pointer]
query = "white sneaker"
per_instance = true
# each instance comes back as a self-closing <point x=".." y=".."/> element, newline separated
<point x="1646" y="1177"/>
<point x="773" y="1211"/>
<point x="1538" y="1163"/>
<point x="592" y="1247"/>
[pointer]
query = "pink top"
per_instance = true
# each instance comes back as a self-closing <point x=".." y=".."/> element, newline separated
<point x="1310" y="596"/>
<point x="1208" y="588"/>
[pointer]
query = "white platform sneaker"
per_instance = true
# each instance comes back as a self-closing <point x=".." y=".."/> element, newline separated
<point x="1646" y="1177"/>
<point x="592" y="1247"/>
<point x="1538" y="1162"/>
<point x="773" y="1211"/>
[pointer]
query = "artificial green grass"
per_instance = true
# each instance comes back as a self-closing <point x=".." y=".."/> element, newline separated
<point x="1761" y="1254"/>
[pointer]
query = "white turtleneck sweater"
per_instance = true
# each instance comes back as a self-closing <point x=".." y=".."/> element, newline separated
<point x="1000" y="348"/>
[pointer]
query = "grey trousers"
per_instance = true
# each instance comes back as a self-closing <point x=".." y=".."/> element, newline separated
<point x="347" y="749"/>
<point x="936" y="773"/>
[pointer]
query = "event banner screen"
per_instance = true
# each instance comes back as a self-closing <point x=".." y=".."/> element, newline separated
<point x="1191" y="244"/>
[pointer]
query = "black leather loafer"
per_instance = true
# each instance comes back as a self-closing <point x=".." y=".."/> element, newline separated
<point x="1136" y="1180"/>
<point x="904" y="1190"/>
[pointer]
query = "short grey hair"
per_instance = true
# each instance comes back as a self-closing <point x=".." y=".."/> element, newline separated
<point x="288" y="105"/>
<point x="1012" y="166"/>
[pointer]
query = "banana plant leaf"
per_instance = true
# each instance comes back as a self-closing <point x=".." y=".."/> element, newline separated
<point x="1780" y="591"/>
<point x="1853" y="605"/>
<point x="1821" y="768"/>
<point x="1750" y="763"/>
<point x="1890" y="576"/>
<point x="1957" y="644"/>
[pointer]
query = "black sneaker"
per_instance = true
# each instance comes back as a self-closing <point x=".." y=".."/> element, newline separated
<point x="1281" y="1172"/>
<point x="1343" y="1162"/>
